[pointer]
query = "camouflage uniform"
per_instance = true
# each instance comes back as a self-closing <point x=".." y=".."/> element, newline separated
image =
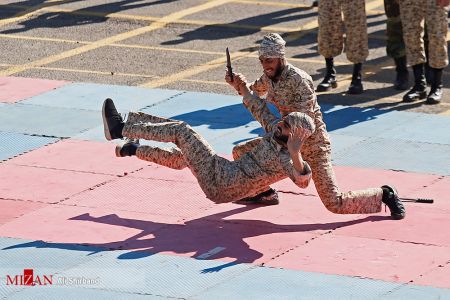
<point x="413" y="14"/>
<point x="395" y="46"/>
<point x="331" y="29"/>
<point x="220" y="179"/>
<point x="295" y="92"/>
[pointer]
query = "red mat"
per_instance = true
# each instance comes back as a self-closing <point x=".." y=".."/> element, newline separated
<point x="13" y="89"/>
<point x="85" y="156"/>
<point x="12" y="209"/>
<point x="44" y="185"/>
<point x="372" y="258"/>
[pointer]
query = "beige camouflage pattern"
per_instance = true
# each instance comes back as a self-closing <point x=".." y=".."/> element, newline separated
<point x="413" y="15"/>
<point x="220" y="179"/>
<point x="331" y="29"/>
<point x="272" y="46"/>
<point x="168" y="157"/>
<point x="295" y="92"/>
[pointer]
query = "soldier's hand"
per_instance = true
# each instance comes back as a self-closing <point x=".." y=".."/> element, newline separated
<point x="241" y="83"/>
<point x="231" y="82"/>
<point x="442" y="3"/>
<point x="296" y="140"/>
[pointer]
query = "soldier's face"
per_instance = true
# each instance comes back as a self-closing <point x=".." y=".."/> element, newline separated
<point x="272" y="66"/>
<point x="282" y="130"/>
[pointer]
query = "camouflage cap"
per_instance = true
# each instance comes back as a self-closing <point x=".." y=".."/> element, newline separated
<point x="272" y="46"/>
<point x="302" y="120"/>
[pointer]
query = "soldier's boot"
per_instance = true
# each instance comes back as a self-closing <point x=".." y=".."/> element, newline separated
<point x="356" y="86"/>
<point x="329" y="81"/>
<point x="402" y="79"/>
<point x="112" y="121"/>
<point x="419" y="90"/>
<point x="435" y="95"/>
<point x="269" y="197"/>
<point x="391" y="199"/>
<point x="129" y="148"/>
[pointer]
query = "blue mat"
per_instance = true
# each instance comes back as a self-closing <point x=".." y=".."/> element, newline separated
<point x="13" y="144"/>
<point x="91" y="96"/>
<point x="46" y="121"/>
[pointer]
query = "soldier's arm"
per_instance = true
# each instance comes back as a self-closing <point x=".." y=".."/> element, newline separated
<point x="299" y="171"/>
<point x="259" y="86"/>
<point x="258" y="108"/>
<point x="301" y="176"/>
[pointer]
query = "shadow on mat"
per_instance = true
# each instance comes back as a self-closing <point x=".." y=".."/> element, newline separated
<point x="209" y="237"/>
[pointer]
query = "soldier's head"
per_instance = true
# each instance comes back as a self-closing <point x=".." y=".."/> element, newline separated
<point x="292" y="121"/>
<point x="271" y="55"/>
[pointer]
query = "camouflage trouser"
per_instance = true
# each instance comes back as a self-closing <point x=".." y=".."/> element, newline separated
<point x="319" y="158"/>
<point x="331" y="29"/>
<point x="395" y="46"/>
<point x="414" y="13"/>
<point x="220" y="179"/>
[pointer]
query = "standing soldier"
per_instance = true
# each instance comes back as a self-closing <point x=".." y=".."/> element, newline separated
<point x="395" y="46"/>
<point x="291" y="90"/>
<point x="331" y="39"/>
<point x="414" y="13"/>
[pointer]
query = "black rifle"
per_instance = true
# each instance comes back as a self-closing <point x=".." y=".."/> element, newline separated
<point x="417" y="200"/>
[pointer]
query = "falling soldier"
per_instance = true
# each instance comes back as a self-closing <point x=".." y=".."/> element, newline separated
<point x="277" y="157"/>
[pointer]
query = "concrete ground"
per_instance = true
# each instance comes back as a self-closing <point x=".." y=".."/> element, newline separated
<point x="104" y="227"/>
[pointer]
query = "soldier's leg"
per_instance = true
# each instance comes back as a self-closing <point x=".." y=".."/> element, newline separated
<point x="356" y="43"/>
<point x="197" y="153"/>
<point x="171" y="157"/>
<point x="395" y="46"/>
<point x="437" y="27"/>
<point x="330" y="40"/>
<point x="355" y="20"/>
<point x="353" y="202"/>
<point x="318" y="155"/>
<point x="331" y="34"/>
<point x="413" y="14"/>
<point x="194" y="148"/>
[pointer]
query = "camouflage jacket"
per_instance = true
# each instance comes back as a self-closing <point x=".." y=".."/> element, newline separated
<point x="293" y="92"/>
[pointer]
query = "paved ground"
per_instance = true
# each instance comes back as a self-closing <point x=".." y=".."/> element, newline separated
<point x="122" y="228"/>
<point x="180" y="44"/>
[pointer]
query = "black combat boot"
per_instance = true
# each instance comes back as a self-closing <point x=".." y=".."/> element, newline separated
<point x="402" y="79"/>
<point x="129" y="148"/>
<point x="112" y="121"/>
<point x="419" y="90"/>
<point x="435" y="95"/>
<point x="391" y="199"/>
<point x="329" y="82"/>
<point x="356" y="86"/>
<point x="269" y="197"/>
